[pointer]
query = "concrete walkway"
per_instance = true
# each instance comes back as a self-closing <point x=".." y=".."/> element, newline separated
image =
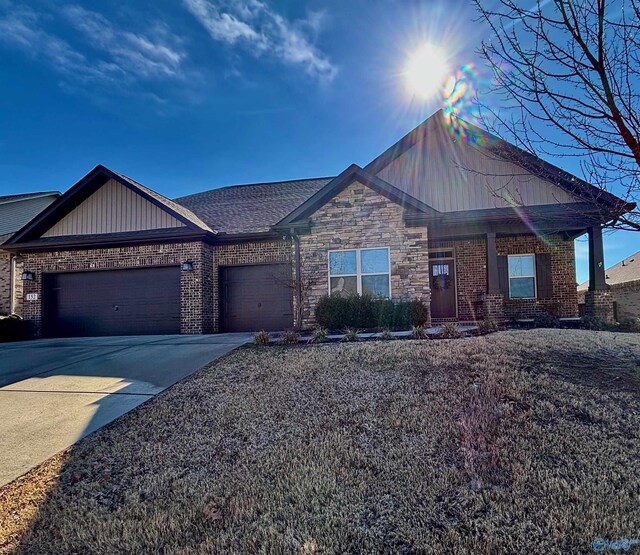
<point x="55" y="391"/>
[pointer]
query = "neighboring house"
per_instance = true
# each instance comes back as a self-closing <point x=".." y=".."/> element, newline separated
<point x="623" y="280"/>
<point x="16" y="211"/>
<point x="451" y="215"/>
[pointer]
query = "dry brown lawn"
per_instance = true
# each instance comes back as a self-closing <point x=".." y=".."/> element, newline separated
<point x="517" y="442"/>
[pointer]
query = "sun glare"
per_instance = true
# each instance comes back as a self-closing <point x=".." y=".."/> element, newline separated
<point x="426" y="71"/>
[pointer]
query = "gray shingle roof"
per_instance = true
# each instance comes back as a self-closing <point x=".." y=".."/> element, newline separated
<point x="251" y="208"/>
<point x="24" y="196"/>
<point x="622" y="272"/>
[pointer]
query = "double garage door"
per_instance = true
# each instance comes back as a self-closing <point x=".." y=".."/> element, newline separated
<point x="112" y="302"/>
<point x="147" y="301"/>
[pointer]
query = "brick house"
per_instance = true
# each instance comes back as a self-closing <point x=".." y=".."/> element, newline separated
<point x="15" y="212"/>
<point x="450" y="214"/>
<point x="623" y="282"/>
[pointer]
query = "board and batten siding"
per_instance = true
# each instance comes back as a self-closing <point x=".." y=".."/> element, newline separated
<point x="452" y="175"/>
<point x="111" y="209"/>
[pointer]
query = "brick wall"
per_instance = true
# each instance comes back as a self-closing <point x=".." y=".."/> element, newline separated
<point x="471" y="275"/>
<point x="627" y="299"/>
<point x="358" y="217"/>
<point x="564" y="300"/>
<point x="196" y="287"/>
<point x="5" y="282"/>
<point x="237" y="254"/>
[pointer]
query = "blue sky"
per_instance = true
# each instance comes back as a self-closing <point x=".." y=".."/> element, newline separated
<point x="187" y="95"/>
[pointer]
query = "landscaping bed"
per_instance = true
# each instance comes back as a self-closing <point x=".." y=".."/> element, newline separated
<point x="514" y="442"/>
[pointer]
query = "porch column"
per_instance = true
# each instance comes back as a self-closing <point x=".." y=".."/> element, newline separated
<point x="493" y="301"/>
<point x="493" y="287"/>
<point x="597" y="280"/>
<point x="598" y="300"/>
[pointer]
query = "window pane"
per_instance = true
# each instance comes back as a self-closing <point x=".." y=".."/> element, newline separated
<point x="342" y="262"/>
<point x="521" y="266"/>
<point x="344" y="285"/>
<point x="522" y="288"/>
<point x="376" y="286"/>
<point x="374" y="260"/>
<point x="440" y="269"/>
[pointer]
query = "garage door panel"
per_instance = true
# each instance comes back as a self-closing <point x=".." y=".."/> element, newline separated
<point x="114" y="302"/>
<point x="256" y="297"/>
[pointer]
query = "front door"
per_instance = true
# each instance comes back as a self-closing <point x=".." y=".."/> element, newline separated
<point x="443" y="288"/>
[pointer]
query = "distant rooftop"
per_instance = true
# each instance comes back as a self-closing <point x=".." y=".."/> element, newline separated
<point x="24" y="196"/>
<point x="624" y="271"/>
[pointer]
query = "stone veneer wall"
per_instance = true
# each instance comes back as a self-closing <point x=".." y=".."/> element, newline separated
<point x="197" y="286"/>
<point x="237" y="254"/>
<point x="471" y="271"/>
<point x="358" y="217"/>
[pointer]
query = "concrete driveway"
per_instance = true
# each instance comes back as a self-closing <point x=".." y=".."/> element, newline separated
<point x="55" y="391"/>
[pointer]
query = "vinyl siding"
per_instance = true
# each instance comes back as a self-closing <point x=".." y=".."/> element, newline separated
<point x="452" y="175"/>
<point x="113" y="208"/>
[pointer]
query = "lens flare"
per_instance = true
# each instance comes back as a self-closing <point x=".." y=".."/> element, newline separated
<point x="426" y="71"/>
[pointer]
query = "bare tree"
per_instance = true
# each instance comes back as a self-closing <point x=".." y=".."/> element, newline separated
<point x="568" y="73"/>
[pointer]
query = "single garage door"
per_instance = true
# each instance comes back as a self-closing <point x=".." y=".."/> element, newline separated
<point x="256" y="297"/>
<point x="112" y="302"/>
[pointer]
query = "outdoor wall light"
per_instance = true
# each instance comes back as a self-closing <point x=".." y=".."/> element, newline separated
<point x="187" y="266"/>
<point x="28" y="276"/>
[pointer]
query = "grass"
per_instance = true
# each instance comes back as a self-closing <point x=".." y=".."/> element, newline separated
<point x="516" y="442"/>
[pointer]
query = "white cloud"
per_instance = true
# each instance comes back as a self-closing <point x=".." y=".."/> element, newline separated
<point x="157" y="54"/>
<point x="115" y="53"/>
<point x="262" y="31"/>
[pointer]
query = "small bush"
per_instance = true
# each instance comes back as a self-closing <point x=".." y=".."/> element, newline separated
<point x="351" y="334"/>
<point x="487" y="326"/>
<point x="450" y="330"/>
<point x="386" y="334"/>
<point x="418" y="332"/>
<point x="592" y="323"/>
<point x="261" y="338"/>
<point x="630" y="324"/>
<point x="365" y="312"/>
<point x="318" y="335"/>
<point x="14" y="328"/>
<point x="418" y="313"/>
<point x="290" y="337"/>
<point x="546" y="320"/>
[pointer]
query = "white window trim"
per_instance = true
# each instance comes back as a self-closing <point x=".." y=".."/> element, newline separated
<point x="535" y="279"/>
<point x="359" y="274"/>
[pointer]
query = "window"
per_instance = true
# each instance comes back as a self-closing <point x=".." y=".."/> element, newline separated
<point x="522" y="276"/>
<point x="363" y="271"/>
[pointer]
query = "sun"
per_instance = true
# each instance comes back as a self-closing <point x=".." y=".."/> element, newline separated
<point x="426" y="71"/>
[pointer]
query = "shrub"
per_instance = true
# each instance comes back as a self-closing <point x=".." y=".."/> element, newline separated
<point x="364" y="312"/>
<point x="261" y="338"/>
<point x="546" y="320"/>
<point x="14" y="328"/>
<point x="592" y="323"/>
<point x="290" y="337"/>
<point x="418" y="313"/>
<point x="418" y="332"/>
<point x="386" y="334"/>
<point x="487" y="326"/>
<point x="351" y="334"/>
<point x="450" y="330"/>
<point x="318" y="335"/>
<point x="630" y="324"/>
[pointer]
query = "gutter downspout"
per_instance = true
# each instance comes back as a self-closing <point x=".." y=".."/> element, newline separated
<point x="12" y="278"/>
<point x="296" y="241"/>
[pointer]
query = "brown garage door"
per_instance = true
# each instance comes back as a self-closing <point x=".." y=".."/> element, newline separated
<point x="256" y="297"/>
<point x="112" y="302"/>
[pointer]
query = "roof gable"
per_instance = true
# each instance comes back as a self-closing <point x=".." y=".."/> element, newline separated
<point x="473" y="169"/>
<point x="352" y="174"/>
<point x="85" y="197"/>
